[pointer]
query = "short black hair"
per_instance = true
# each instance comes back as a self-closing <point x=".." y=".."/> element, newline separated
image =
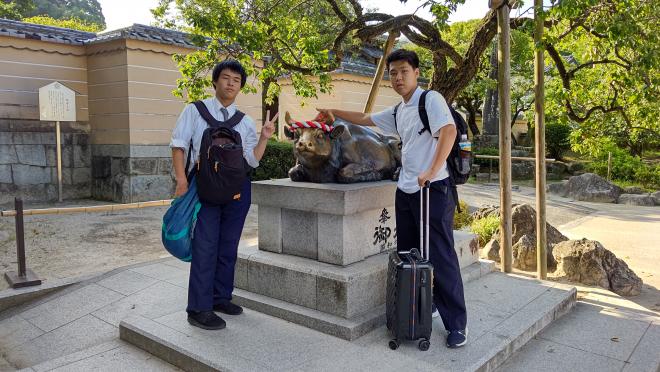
<point x="403" y="55"/>
<point x="232" y="65"/>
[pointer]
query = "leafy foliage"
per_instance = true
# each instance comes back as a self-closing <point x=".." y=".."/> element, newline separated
<point x="625" y="167"/>
<point x="462" y="218"/>
<point x="270" y="39"/>
<point x="15" y="9"/>
<point x="605" y="75"/>
<point x="486" y="162"/>
<point x="89" y="11"/>
<point x="602" y="59"/>
<point x="276" y="162"/>
<point x="74" y="23"/>
<point x="485" y="228"/>
<point x="557" y="139"/>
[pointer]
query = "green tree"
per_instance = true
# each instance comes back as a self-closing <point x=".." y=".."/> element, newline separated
<point x="604" y="75"/>
<point x="85" y="10"/>
<point x="291" y="37"/>
<point x="74" y="24"/>
<point x="613" y="83"/>
<point x="15" y="9"/>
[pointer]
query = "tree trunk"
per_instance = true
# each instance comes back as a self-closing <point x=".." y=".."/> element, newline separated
<point x="471" y="109"/>
<point x="490" y="114"/>
<point x="265" y="107"/>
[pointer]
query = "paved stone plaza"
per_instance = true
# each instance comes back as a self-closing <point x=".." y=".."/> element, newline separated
<point x="78" y="328"/>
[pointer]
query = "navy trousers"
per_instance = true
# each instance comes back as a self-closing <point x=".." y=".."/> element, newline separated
<point x="447" y="283"/>
<point x="214" y="249"/>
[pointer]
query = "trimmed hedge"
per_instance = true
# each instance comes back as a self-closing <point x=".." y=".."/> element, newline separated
<point x="276" y="162"/>
<point x="557" y="139"/>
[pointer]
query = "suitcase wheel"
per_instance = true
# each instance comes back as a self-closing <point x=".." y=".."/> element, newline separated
<point x="424" y="345"/>
<point x="394" y="344"/>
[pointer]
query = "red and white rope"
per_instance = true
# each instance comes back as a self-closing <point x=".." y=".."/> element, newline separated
<point x="311" y="124"/>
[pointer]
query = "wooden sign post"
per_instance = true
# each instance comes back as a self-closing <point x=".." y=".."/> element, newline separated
<point x="57" y="103"/>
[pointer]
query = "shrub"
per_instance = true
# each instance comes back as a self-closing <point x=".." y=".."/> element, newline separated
<point x="557" y="139"/>
<point x="276" y="162"/>
<point x="485" y="228"/>
<point x="483" y="163"/>
<point x="626" y="167"/>
<point x="463" y="218"/>
<point x="648" y="176"/>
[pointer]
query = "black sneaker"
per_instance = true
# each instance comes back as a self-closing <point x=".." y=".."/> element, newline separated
<point x="206" y="320"/>
<point x="457" y="339"/>
<point x="228" y="308"/>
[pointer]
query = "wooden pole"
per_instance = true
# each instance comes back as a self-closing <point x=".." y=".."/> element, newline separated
<point x="92" y="209"/>
<point x="504" y="93"/>
<point x="609" y="166"/>
<point x="24" y="277"/>
<point x="539" y="133"/>
<point x="58" y="145"/>
<point x="380" y="71"/>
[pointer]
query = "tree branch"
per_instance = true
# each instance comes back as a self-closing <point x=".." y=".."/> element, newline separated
<point x="357" y="8"/>
<point x="338" y="11"/>
<point x="572" y="72"/>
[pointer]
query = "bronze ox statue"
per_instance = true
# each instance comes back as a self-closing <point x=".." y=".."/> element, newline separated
<point x="341" y="152"/>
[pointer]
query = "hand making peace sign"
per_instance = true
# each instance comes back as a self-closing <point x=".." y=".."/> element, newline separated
<point x="268" y="128"/>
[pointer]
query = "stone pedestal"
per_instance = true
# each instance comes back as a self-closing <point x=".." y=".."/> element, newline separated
<point x="321" y="259"/>
<point x="333" y="223"/>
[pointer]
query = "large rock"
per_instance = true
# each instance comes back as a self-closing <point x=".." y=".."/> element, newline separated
<point x="575" y="167"/>
<point x="559" y="188"/>
<point x="520" y="153"/>
<point x="633" y="190"/>
<point x="557" y="168"/>
<point x="636" y="199"/>
<point x="523" y="221"/>
<point x="656" y="197"/>
<point x="486" y="211"/>
<point x="491" y="250"/>
<point x="589" y="187"/>
<point x="523" y="170"/>
<point x="524" y="254"/>
<point x="588" y="262"/>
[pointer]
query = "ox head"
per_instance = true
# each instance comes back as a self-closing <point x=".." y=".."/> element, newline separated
<point x="313" y="144"/>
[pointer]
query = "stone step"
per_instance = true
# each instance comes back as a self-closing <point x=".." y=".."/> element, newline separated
<point x="113" y="355"/>
<point x="504" y="312"/>
<point x="344" y="301"/>
<point x="346" y="328"/>
<point x="336" y="290"/>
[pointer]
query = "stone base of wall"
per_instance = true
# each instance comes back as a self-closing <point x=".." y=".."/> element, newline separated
<point x="28" y="160"/>
<point x="132" y="173"/>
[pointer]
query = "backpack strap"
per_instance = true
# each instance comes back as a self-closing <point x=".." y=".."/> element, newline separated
<point x="425" y="122"/>
<point x="396" y="108"/>
<point x="190" y="148"/>
<point x="422" y="113"/>
<point x="213" y="122"/>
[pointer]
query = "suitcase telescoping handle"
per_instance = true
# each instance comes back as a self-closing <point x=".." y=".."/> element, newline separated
<point x="424" y="219"/>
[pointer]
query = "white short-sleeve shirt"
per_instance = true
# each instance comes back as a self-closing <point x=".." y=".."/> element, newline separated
<point x="191" y="125"/>
<point x="417" y="149"/>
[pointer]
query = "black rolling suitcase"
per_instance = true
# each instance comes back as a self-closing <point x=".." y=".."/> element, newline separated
<point x="409" y="292"/>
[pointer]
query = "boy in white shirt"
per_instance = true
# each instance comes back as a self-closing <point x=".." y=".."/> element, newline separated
<point x="423" y="158"/>
<point x="218" y="228"/>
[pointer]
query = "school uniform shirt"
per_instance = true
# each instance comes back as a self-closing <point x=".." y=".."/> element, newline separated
<point x="417" y="150"/>
<point x="191" y="125"/>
